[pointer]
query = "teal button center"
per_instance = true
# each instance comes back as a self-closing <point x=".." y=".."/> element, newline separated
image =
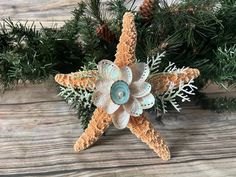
<point x="120" y="92"/>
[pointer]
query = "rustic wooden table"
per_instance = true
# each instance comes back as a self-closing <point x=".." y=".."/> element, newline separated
<point x="38" y="129"/>
<point x="48" y="12"/>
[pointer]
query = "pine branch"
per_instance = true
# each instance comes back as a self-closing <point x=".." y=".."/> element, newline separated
<point x="192" y="33"/>
<point x="94" y="9"/>
<point x="223" y="69"/>
<point x="219" y="104"/>
<point x="117" y="8"/>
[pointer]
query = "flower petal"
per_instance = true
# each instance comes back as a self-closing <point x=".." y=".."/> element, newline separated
<point x="133" y="107"/>
<point x="120" y="118"/>
<point x="104" y="101"/>
<point x="140" y="89"/>
<point x="103" y="85"/>
<point x="140" y="72"/>
<point x="110" y="107"/>
<point x="126" y="74"/>
<point x="99" y="98"/>
<point x="147" y="101"/>
<point x="108" y="70"/>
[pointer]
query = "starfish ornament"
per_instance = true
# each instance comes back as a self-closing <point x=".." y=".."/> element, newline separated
<point x="138" y="125"/>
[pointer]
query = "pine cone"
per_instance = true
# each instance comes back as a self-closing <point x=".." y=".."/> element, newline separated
<point x="105" y="33"/>
<point x="146" y="9"/>
<point x="191" y="11"/>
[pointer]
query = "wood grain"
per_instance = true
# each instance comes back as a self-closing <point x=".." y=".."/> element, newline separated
<point x="38" y="129"/>
<point x="48" y="12"/>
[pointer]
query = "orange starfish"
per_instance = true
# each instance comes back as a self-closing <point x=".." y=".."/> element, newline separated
<point x="139" y="126"/>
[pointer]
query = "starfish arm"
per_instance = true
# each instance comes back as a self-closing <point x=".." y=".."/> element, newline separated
<point x="160" y="82"/>
<point x="125" y="54"/>
<point x="98" y="124"/>
<point x="82" y="79"/>
<point x="143" y="129"/>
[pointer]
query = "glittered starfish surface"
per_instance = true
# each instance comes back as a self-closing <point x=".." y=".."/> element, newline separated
<point x="101" y="120"/>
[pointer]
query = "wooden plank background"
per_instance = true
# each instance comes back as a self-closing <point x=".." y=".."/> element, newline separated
<point x="38" y="129"/>
<point x="48" y="12"/>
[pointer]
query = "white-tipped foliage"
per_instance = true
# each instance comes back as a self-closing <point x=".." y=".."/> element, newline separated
<point x="183" y="91"/>
<point x="172" y="68"/>
<point x="154" y="62"/>
<point x="180" y="91"/>
<point x="76" y="98"/>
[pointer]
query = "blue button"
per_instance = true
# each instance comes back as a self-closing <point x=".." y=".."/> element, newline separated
<point x="120" y="92"/>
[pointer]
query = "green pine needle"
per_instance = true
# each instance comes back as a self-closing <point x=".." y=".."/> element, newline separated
<point x="220" y="104"/>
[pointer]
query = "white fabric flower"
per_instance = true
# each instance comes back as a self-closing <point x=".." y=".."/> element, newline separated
<point x="123" y="92"/>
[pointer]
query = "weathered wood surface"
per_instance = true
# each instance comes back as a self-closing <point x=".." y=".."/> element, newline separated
<point x="38" y="129"/>
<point x="49" y="13"/>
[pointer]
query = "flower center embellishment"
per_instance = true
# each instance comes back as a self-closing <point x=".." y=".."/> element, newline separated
<point x="120" y="92"/>
<point x="123" y="92"/>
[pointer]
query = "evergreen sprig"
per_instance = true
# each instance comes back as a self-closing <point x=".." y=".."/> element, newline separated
<point x="29" y="54"/>
<point x="223" y="68"/>
<point x="219" y="104"/>
<point x="193" y="33"/>
<point x="81" y="101"/>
